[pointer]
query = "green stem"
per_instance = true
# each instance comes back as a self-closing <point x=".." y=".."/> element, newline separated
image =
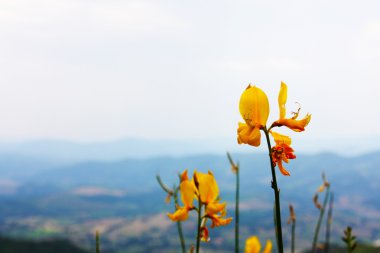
<point x="321" y="213"/>
<point x="276" y="196"/>
<point x="293" y="235"/>
<point x="179" y="225"/>
<point x="163" y="186"/>
<point x="329" y="222"/>
<point x="237" y="211"/>
<point x="97" y="242"/>
<point x="174" y="193"/>
<point x="199" y="224"/>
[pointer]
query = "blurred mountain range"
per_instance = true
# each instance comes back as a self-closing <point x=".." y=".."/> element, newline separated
<point x="43" y="198"/>
<point x="59" y="151"/>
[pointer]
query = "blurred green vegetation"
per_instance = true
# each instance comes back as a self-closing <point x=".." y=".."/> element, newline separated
<point x="361" y="248"/>
<point x="8" y="245"/>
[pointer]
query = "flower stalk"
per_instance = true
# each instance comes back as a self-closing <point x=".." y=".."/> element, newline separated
<point x="173" y="193"/>
<point x="199" y="225"/>
<point x="254" y="109"/>
<point x="276" y="196"/>
<point x="292" y="220"/>
<point x="236" y="170"/>
<point x="163" y="186"/>
<point x="97" y="242"/>
<point x="179" y="224"/>
<point x="329" y="222"/>
<point x="293" y="236"/>
<point x="321" y="213"/>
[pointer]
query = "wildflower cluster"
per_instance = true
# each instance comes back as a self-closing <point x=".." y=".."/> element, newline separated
<point x="254" y="109"/>
<point x="202" y="187"/>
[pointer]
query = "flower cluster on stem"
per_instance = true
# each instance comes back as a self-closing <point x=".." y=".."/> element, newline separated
<point x="203" y="188"/>
<point x="254" y="109"/>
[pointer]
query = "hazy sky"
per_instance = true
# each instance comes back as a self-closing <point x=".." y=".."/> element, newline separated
<point x="91" y="70"/>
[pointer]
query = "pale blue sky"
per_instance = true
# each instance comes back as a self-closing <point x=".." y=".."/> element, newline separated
<point x="102" y="70"/>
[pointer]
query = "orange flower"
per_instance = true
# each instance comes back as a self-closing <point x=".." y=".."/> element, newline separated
<point x="218" y="220"/>
<point x="205" y="236"/>
<point x="254" y="108"/>
<point x="292" y="123"/>
<point x="282" y="151"/>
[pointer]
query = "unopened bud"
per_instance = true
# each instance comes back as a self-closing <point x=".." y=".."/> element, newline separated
<point x="167" y="199"/>
<point x="204" y="234"/>
<point x="316" y="203"/>
<point x="234" y="167"/>
<point x="292" y="217"/>
<point x="325" y="182"/>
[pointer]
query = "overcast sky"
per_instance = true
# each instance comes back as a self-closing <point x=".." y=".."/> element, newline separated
<point x="91" y="70"/>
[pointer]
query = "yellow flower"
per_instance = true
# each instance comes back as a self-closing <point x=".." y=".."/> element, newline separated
<point x="282" y="151"/>
<point x="252" y="245"/>
<point x="292" y="123"/>
<point x="208" y="191"/>
<point x="216" y="212"/>
<point x="187" y="191"/>
<point x="202" y="187"/>
<point x="206" y="185"/>
<point x="254" y="108"/>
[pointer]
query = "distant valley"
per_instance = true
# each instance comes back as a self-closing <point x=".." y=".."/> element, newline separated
<point x="45" y="199"/>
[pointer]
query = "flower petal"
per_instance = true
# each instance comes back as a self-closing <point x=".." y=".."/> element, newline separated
<point x="268" y="247"/>
<point x="184" y="176"/>
<point x="282" y="169"/>
<point x="254" y="106"/>
<point x="282" y="97"/>
<point x="181" y="214"/>
<point x="295" y="125"/>
<point x="205" y="236"/>
<point x="243" y="133"/>
<point x="215" y="207"/>
<point x="218" y="220"/>
<point x="187" y="193"/>
<point x="249" y="135"/>
<point x="280" y="139"/>
<point x="252" y="245"/>
<point x="292" y="123"/>
<point x="208" y="189"/>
